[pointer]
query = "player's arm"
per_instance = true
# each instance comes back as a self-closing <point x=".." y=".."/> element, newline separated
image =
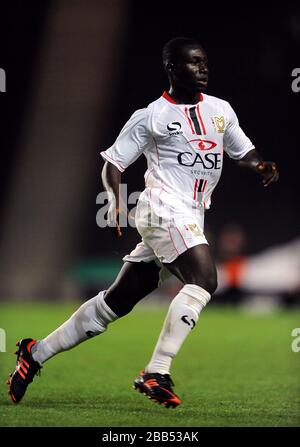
<point x="111" y="178"/>
<point x="266" y="169"/>
<point x="132" y="141"/>
<point x="239" y="147"/>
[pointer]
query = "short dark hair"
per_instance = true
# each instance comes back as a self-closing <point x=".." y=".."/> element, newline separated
<point x="171" y="48"/>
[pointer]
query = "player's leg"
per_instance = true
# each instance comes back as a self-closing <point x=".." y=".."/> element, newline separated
<point x="196" y="269"/>
<point x="196" y="266"/>
<point x="134" y="282"/>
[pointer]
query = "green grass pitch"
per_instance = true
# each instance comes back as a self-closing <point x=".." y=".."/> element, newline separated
<point x="235" y="369"/>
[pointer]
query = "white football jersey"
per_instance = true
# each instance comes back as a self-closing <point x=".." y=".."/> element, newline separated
<point x="183" y="145"/>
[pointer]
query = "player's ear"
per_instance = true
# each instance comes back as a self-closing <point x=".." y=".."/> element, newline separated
<point x="170" y="67"/>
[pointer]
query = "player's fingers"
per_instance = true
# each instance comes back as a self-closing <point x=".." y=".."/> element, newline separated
<point x="266" y="182"/>
<point x="113" y="222"/>
<point x="116" y="230"/>
<point x="267" y="167"/>
<point x="260" y="167"/>
<point x="274" y="178"/>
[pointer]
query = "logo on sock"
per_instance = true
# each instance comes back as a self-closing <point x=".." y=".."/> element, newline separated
<point x="186" y="321"/>
<point x="90" y="334"/>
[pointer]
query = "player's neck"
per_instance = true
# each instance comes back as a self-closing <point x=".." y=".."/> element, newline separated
<point x="183" y="97"/>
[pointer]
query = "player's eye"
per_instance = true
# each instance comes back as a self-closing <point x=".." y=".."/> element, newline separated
<point x="197" y="61"/>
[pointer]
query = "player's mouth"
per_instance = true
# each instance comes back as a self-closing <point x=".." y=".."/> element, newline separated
<point x="202" y="81"/>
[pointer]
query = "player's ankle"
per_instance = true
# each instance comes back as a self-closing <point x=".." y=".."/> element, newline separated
<point x="154" y="370"/>
<point x="34" y="352"/>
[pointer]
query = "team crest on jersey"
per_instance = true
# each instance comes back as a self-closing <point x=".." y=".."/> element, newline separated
<point x="174" y="128"/>
<point x="219" y="123"/>
<point x="194" y="229"/>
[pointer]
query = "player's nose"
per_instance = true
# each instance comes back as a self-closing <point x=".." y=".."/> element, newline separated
<point x="203" y="69"/>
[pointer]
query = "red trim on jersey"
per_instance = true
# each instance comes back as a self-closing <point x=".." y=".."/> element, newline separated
<point x="204" y="186"/>
<point x="181" y="236"/>
<point x="148" y="176"/>
<point x="162" y="189"/>
<point x="168" y="97"/>
<point x="172" y="240"/>
<point x="189" y="119"/>
<point x="195" y="188"/>
<point x="108" y="158"/>
<point x="200" y="119"/>
<point x="150" y="198"/>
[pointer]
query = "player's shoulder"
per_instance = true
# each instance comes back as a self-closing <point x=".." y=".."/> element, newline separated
<point x="139" y="114"/>
<point x="139" y="117"/>
<point x="156" y="105"/>
<point x="216" y="101"/>
<point x="145" y="112"/>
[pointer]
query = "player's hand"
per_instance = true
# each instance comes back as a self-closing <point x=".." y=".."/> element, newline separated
<point x="113" y="217"/>
<point x="268" y="171"/>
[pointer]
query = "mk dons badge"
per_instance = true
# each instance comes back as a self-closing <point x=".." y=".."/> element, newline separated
<point x="219" y="123"/>
<point x="194" y="229"/>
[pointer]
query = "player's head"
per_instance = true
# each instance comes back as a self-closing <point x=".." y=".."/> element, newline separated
<point x="185" y="62"/>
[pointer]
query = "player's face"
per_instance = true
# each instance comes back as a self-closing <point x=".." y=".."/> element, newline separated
<point x="191" y="69"/>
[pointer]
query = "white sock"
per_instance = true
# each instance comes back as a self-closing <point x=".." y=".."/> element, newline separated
<point x="89" y="320"/>
<point x="181" y="318"/>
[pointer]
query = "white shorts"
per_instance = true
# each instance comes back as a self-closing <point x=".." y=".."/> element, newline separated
<point x="168" y="228"/>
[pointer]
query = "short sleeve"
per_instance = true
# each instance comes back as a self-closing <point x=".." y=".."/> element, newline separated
<point x="133" y="140"/>
<point x="236" y="143"/>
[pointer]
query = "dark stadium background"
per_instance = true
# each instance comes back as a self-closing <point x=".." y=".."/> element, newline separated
<point x="252" y="52"/>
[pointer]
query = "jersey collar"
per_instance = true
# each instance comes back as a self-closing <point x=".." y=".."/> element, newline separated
<point x="171" y="100"/>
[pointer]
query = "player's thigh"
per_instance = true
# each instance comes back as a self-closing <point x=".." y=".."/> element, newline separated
<point x="134" y="281"/>
<point x="196" y="266"/>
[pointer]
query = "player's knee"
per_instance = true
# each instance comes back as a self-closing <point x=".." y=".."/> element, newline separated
<point x="212" y="284"/>
<point x="209" y="282"/>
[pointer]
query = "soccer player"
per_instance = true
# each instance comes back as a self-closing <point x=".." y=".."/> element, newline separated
<point x="183" y="135"/>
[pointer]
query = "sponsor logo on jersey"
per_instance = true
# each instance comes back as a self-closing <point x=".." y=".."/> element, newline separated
<point x="219" y="123"/>
<point x="203" y="145"/>
<point x="208" y="160"/>
<point x="174" y="128"/>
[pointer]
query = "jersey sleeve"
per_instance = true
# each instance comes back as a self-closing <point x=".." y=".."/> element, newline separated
<point x="133" y="140"/>
<point x="236" y="143"/>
